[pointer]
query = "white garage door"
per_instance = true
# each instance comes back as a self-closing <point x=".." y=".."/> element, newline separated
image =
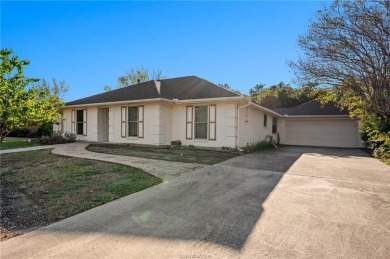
<point x="322" y="132"/>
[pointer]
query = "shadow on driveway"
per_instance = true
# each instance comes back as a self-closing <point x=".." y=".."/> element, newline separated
<point x="219" y="204"/>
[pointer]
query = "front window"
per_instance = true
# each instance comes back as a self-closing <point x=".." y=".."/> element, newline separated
<point x="133" y="121"/>
<point x="80" y="122"/>
<point x="201" y="119"/>
<point x="274" y="124"/>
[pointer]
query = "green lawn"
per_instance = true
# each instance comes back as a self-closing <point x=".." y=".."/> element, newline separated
<point x="10" y="144"/>
<point x="39" y="188"/>
<point x="184" y="154"/>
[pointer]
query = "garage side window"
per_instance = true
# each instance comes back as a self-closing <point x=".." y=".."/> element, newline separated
<point x="81" y="122"/>
<point x="274" y="125"/>
<point x="265" y="120"/>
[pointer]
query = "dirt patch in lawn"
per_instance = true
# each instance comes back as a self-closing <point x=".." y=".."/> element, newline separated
<point x="39" y="188"/>
<point x="177" y="154"/>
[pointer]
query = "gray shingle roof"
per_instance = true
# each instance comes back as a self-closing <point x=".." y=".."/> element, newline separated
<point x="182" y="88"/>
<point x="312" y="108"/>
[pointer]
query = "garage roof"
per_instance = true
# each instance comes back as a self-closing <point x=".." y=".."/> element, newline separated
<point x="312" y="108"/>
<point x="181" y="88"/>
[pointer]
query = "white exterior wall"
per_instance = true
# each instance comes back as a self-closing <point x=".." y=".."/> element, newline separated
<point x="252" y="128"/>
<point x="226" y="120"/>
<point x="151" y="125"/>
<point x="66" y="122"/>
<point x="91" y="123"/>
<point x="164" y="122"/>
<point x="282" y="130"/>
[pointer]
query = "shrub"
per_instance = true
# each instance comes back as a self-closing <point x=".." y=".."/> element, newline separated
<point x="375" y="132"/>
<point x="176" y="143"/>
<point x="58" y="138"/>
<point x="261" y="145"/>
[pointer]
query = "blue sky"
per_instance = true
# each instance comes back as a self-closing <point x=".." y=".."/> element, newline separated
<point x="89" y="44"/>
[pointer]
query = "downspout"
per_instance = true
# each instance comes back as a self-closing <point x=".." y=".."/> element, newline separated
<point x="238" y="124"/>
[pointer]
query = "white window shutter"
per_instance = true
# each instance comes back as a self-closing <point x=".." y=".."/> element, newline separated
<point x="189" y="121"/>
<point x="73" y="118"/>
<point x="141" y="121"/>
<point x="85" y="122"/>
<point x="212" y="122"/>
<point x="123" y="121"/>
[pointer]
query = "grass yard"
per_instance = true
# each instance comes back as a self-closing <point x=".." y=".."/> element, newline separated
<point x="19" y="143"/>
<point x="39" y="188"/>
<point x="184" y="155"/>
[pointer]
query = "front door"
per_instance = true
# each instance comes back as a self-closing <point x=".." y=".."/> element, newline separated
<point x="103" y="119"/>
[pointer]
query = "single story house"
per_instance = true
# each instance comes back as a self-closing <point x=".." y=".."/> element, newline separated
<point x="198" y="113"/>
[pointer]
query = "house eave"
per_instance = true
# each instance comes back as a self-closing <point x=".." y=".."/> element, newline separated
<point x="206" y="100"/>
<point x="120" y="102"/>
<point x="174" y="101"/>
<point x="315" y="116"/>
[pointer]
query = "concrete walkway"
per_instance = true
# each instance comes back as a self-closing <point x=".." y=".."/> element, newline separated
<point x="26" y="149"/>
<point x="165" y="170"/>
<point x="291" y="202"/>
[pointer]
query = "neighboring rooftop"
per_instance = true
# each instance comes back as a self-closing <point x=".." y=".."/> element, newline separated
<point x="312" y="108"/>
<point x="181" y="88"/>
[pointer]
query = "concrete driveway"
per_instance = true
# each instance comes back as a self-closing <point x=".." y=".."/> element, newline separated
<point x="288" y="202"/>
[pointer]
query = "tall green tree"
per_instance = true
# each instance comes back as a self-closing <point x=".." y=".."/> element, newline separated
<point x="136" y="76"/>
<point x="22" y="105"/>
<point x="253" y="92"/>
<point x="283" y="95"/>
<point x="55" y="90"/>
<point x="347" y="49"/>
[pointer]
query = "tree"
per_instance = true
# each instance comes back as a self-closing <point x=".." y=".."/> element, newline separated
<point x="136" y="76"/>
<point x="347" y="49"/>
<point x="275" y="96"/>
<point x="283" y="95"/>
<point x="22" y="106"/>
<point x="253" y="92"/>
<point x="56" y="91"/>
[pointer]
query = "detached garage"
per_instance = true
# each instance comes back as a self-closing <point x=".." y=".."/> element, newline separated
<point x="310" y="124"/>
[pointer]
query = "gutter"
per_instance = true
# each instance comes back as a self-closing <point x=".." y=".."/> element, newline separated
<point x="315" y="116"/>
<point x="209" y="99"/>
<point x="121" y="102"/>
<point x="238" y="124"/>
<point x="174" y="101"/>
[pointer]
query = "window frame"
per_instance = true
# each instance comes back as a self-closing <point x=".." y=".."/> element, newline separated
<point x="265" y="120"/>
<point x="125" y="124"/>
<point x="211" y="122"/>
<point x="132" y="121"/>
<point x="203" y="122"/>
<point x="83" y="122"/>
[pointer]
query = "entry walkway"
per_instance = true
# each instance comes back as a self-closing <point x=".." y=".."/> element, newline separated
<point x="165" y="170"/>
